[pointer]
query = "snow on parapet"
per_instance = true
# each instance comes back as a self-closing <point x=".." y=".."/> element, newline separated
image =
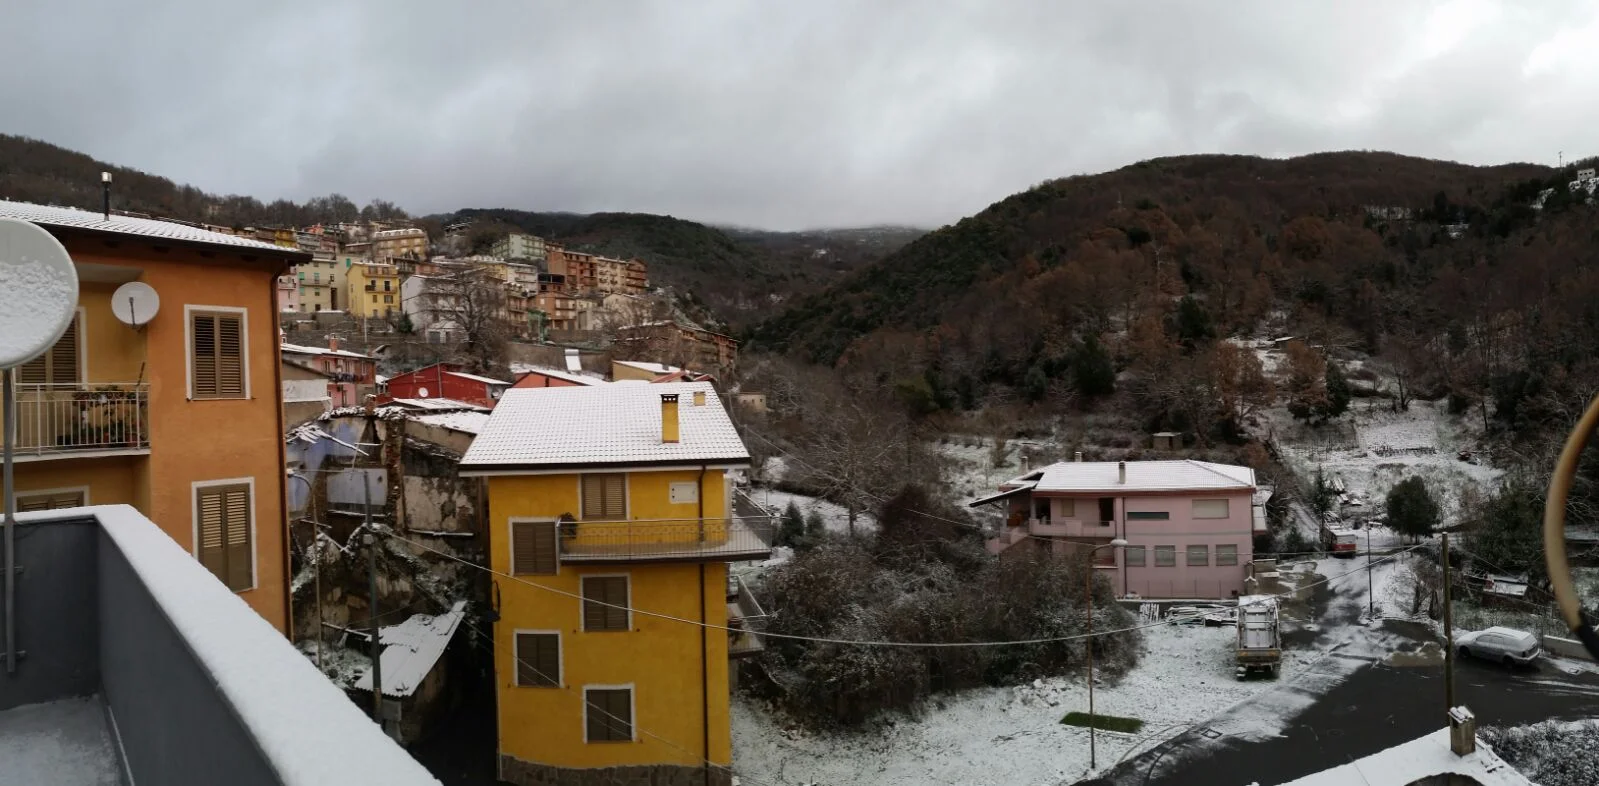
<point x="310" y="732"/>
<point x="1420" y="758"/>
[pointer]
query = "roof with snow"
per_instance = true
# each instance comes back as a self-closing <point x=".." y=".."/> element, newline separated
<point x="577" y="379"/>
<point x="411" y="649"/>
<point x="1150" y="476"/>
<point x="437" y="404"/>
<point x="72" y="218"/>
<point x="1420" y="758"/>
<point x="653" y="368"/>
<point x="467" y="422"/>
<point x="311" y="433"/>
<point x="297" y="349"/>
<point x="604" y="426"/>
<point x="476" y="378"/>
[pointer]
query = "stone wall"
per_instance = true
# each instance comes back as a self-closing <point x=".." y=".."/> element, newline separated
<point x="526" y="773"/>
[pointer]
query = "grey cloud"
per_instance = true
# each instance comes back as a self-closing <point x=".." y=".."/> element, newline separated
<point x="779" y="115"/>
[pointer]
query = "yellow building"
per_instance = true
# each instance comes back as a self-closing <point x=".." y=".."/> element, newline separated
<point x="610" y="505"/>
<point x="179" y="417"/>
<point x="409" y="243"/>
<point x="321" y="283"/>
<point x="373" y="288"/>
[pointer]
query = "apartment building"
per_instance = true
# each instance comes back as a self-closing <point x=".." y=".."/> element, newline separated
<point x="1189" y="525"/>
<point x="321" y="284"/>
<point x="373" y="288"/>
<point x="289" y="292"/>
<point x="350" y="375"/>
<point x="178" y="418"/>
<point x="589" y="274"/>
<point x="519" y="246"/>
<point x="684" y="345"/>
<point x="409" y="243"/>
<point x="616" y="499"/>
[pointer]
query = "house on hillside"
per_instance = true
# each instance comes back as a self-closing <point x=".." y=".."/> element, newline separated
<point x="305" y="394"/>
<point x="611" y="497"/>
<point x="447" y="380"/>
<point x="545" y="377"/>
<point x="1189" y="525"/>
<point x="685" y="345"/>
<point x="640" y="370"/>
<point x="180" y="418"/>
<point x="351" y="375"/>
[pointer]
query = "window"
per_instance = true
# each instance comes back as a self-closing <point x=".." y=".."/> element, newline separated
<point x="1148" y="515"/>
<point x="388" y="298"/>
<point x="1198" y="556"/>
<point x="49" y="500"/>
<point x="316" y="278"/>
<point x="1068" y="508"/>
<point x="1107" y="508"/>
<point x="222" y="525"/>
<point x="605" y="496"/>
<point x="607" y="714"/>
<point x="1165" y="556"/>
<point x="1226" y="554"/>
<point x="538" y="660"/>
<point x="388" y="286"/>
<point x="533" y="548"/>
<point x="216" y="360"/>
<point x="1210" y="508"/>
<point x="605" y="606"/>
<point x="1135" y="556"/>
<point x="58" y="365"/>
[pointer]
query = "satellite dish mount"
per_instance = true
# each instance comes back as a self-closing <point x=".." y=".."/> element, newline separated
<point x="135" y="304"/>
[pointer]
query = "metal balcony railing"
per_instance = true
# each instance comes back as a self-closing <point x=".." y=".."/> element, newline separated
<point x="71" y="419"/>
<point x="712" y="539"/>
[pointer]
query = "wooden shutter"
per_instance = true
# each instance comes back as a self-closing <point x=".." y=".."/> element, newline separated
<point x="610" y="714"/>
<point x="217" y="362"/>
<point x="224" y="531"/>
<point x="237" y="508"/>
<point x="538" y="660"/>
<point x="605" y="603"/>
<point x="28" y="503"/>
<point x="58" y="365"/>
<point x="212" y="511"/>
<point x="230" y="356"/>
<point x="605" y="496"/>
<point x="533" y="547"/>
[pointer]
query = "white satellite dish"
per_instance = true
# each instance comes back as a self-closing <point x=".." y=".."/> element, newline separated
<point x="135" y="303"/>
<point x="38" y="291"/>
<point x="421" y="392"/>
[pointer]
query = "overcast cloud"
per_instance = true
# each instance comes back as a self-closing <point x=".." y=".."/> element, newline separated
<point x="781" y="115"/>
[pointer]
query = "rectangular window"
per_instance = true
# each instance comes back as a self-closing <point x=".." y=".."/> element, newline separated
<point x="608" y="714"/>
<point x="1210" y="508"/>
<point x="533" y="549"/>
<point x="1068" y="508"/>
<point x="58" y="365"/>
<point x="388" y="298"/>
<point x="538" y="660"/>
<point x="605" y="603"/>
<point x="1148" y="515"/>
<point x="1226" y="554"/>
<point x="1198" y="556"/>
<point x="605" y="496"/>
<point x="48" y="500"/>
<point x="216" y="362"/>
<point x="1165" y="556"/>
<point x="223" y="527"/>
<point x="1135" y="556"/>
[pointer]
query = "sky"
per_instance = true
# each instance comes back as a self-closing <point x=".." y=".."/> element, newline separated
<point x="777" y="115"/>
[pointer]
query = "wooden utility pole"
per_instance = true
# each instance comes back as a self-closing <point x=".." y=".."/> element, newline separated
<point x="1449" y="635"/>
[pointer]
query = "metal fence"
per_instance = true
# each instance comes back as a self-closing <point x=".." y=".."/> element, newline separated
<point x="72" y="418"/>
<point x="734" y="538"/>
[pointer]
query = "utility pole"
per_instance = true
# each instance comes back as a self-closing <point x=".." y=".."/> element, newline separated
<point x="1371" y="600"/>
<point x="1449" y="636"/>
<point x="371" y="542"/>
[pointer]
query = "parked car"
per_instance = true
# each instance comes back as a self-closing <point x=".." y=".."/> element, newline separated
<point x="1505" y="645"/>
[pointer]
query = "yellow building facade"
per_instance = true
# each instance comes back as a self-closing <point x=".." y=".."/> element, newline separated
<point x="180" y="416"/>
<point x="612" y="644"/>
<point x="372" y="288"/>
<point x="322" y="286"/>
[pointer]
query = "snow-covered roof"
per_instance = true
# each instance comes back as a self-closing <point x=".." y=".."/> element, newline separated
<point x="298" y="349"/>
<point x="1028" y="486"/>
<point x="1154" y="476"/>
<point x="604" y="425"/>
<point x="653" y="368"/>
<point x="466" y="422"/>
<point x="1426" y="756"/>
<point x="411" y="648"/>
<point x="476" y="378"/>
<point x="380" y="379"/>
<point x="577" y="379"/>
<point x="438" y="404"/>
<point x="72" y="218"/>
<point x="311" y="433"/>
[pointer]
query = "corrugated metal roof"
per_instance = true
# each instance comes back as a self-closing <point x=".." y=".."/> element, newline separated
<point x="411" y="648"/>
<point x="614" y="424"/>
<point x="72" y="218"/>
<point x="1180" y="475"/>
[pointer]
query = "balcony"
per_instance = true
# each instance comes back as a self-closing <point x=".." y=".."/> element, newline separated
<point x="667" y="540"/>
<point x="137" y="666"/>
<point x="67" y="421"/>
<point x="1070" y="528"/>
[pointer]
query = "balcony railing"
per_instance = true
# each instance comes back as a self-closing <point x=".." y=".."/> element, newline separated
<point x="746" y="618"/>
<point x="62" y="420"/>
<point x="1069" y="527"/>
<point x="711" y="539"/>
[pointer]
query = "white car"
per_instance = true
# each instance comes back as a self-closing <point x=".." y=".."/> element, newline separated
<point x="1505" y="645"/>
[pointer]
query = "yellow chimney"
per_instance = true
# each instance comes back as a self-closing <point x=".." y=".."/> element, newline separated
<point x="669" y="426"/>
<point x="699" y="398"/>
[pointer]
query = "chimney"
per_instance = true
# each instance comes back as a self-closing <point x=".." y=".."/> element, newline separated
<point x="699" y="398"/>
<point x="105" y="192"/>
<point x="1078" y="457"/>
<point x="1462" y="731"/>
<point x="333" y="343"/>
<point x="669" y="426"/>
<point x="1121" y="472"/>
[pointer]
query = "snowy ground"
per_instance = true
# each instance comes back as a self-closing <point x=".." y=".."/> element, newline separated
<point x="63" y="741"/>
<point x="834" y="516"/>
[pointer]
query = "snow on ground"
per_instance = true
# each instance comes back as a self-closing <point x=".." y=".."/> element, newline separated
<point x="63" y="741"/>
<point x="834" y="516"/>
<point x="971" y="472"/>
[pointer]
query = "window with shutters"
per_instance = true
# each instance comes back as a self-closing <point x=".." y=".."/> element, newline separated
<point x="1226" y="554"/>
<point x="59" y="364"/>
<point x="608" y="714"/>
<point x="222" y="527"/>
<point x="533" y="545"/>
<point x="538" y="659"/>
<point x="605" y="603"/>
<point x="49" y="500"/>
<point x="1199" y="556"/>
<point x="216" y="355"/>
<point x="605" y="497"/>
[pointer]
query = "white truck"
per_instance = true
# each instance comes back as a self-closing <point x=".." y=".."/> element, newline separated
<point x="1260" y="642"/>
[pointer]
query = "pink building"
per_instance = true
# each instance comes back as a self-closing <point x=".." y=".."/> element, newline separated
<point x="1189" y="525"/>
<point x="288" y="293"/>
<point x="351" y="375"/>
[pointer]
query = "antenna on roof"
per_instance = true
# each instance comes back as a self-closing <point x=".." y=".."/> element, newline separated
<point x="105" y="193"/>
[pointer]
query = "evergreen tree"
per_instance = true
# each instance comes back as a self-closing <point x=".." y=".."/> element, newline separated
<point x="1193" y="323"/>
<point x="815" y="528"/>
<point x="1338" y="392"/>
<point x="1411" y="508"/>
<point x="1092" y="371"/>
<point x="791" y="526"/>
<point x="1321" y="495"/>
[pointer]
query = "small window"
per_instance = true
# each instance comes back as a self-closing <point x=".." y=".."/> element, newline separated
<point x="608" y="714"/>
<point x="1068" y="508"/>
<point x="217" y="363"/>
<point x="1135" y="556"/>
<point x="533" y="548"/>
<point x="1226" y="554"/>
<point x="1165" y="556"/>
<point x="58" y="365"/>
<point x="605" y="496"/>
<point x="1210" y="508"/>
<point x="538" y="660"/>
<point x="52" y="500"/>
<point x="605" y="603"/>
<point x="224" y="531"/>
<point x="1198" y="556"/>
<point x="1148" y="515"/>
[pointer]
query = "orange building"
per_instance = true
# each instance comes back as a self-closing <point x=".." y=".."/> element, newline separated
<point x="179" y="417"/>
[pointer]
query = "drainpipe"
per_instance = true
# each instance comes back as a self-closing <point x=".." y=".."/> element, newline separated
<point x="283" y="457"/>
<point x="705" y="664"/>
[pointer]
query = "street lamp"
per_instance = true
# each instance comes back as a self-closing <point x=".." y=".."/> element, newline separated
<point x="1088" y="595"/>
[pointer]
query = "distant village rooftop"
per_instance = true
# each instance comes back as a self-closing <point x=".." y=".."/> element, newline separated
<point x="83" y="220"/>
<point x="653" y="368"/>
<point x="1124" y="476"/>
<point x="297" y="349"/>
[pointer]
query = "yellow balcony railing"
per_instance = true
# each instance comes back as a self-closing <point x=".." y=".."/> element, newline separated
<point x="711" y="539"/>
<point x="64" y="420"/>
